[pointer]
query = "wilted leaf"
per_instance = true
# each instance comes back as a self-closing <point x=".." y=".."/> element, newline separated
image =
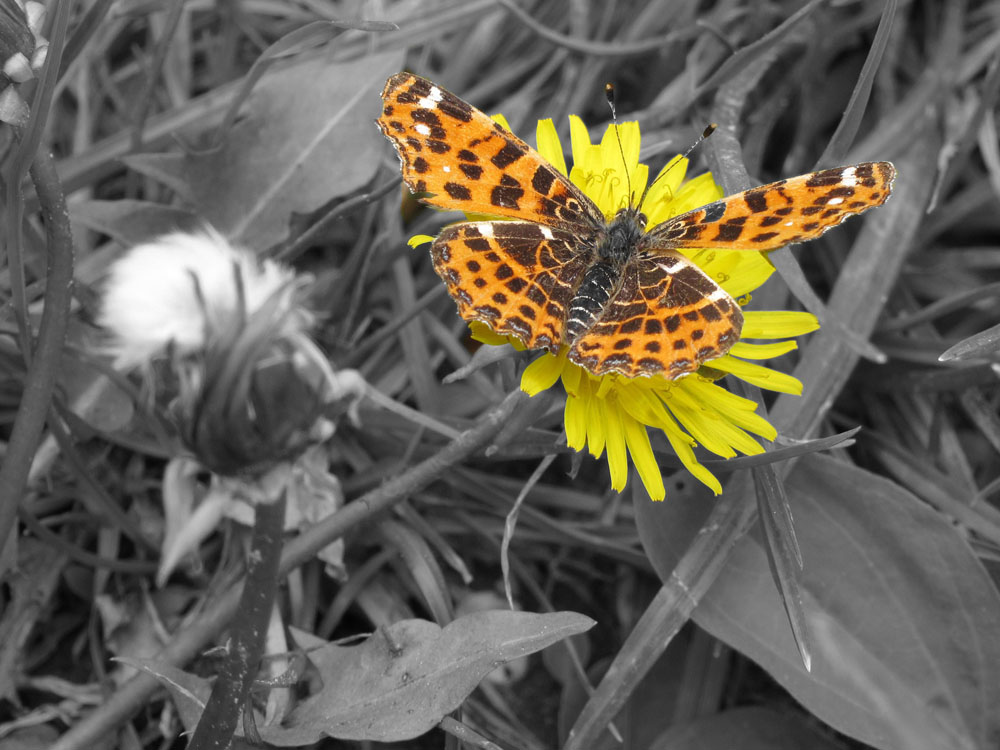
<point x="907" y="619"/>
<point x="306" y="137"/>
<point x="93" y="396"/>
<point x="40" y="737"/>
<point x="406" y="677"/>
<point x="190" y="692"/>
<point x="27" y="590"/>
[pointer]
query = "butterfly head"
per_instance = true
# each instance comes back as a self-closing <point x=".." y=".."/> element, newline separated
<point x="631" y="214"/>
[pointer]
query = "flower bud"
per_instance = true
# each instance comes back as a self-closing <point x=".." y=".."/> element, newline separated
<point x="22" y="54"/>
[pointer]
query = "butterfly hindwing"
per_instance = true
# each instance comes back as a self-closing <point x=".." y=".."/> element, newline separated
<point x="517" y="277"/>
<point x="667" y="318"/>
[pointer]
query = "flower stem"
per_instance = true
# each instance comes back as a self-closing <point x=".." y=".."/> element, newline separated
<point x="41" y="376"/>
<point x="246" y="638"/>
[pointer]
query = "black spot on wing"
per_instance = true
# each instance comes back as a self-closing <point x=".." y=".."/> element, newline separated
<point x="428" y="117"/>
<point x="756" y="200"/>
<point x="714" y="211"/>
<point x="455" y="108"/>
<point x="542" y="180"/>
<point x="506" y="156"/>
<point x="457" y="191"/>
<point x="472" y="171"/>
<point x="506" y="195"/>
<point x="728" y="232"/>
<point x="825" y="178"/>
<point x="711" y="314"/>
<point x="631" y="326"/>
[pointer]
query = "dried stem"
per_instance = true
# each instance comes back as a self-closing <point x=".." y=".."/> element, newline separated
<point x="246" y="639"/>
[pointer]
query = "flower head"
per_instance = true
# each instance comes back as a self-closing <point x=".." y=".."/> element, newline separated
<point x="611" y="414"/>
<point x="224" y="340"/>
<point x="248" y="384"/>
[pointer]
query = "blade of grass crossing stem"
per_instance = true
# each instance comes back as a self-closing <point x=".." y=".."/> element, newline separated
<point x="511" y="522"/>
<point x="783" y="554"/>
<point x="419" y="560"/>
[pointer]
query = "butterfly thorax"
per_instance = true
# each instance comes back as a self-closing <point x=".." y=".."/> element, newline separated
<point x="622" y="236"/>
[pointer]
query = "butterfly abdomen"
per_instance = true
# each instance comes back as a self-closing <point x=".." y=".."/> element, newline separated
<point x="599" y="284"/>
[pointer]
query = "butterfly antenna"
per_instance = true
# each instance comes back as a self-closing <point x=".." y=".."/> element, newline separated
<point x="609" y="94"/>
<point x="705" y="134"/>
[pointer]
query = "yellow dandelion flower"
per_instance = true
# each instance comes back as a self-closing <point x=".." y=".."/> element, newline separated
<point x="610" y="415"/>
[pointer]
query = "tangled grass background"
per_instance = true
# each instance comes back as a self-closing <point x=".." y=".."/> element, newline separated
<point x="140" y="121"/>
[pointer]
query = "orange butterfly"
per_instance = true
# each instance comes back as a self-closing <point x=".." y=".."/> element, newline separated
<point x="620" y="298"/>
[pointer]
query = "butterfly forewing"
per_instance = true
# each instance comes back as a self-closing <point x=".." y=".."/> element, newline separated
<point x="780" y="213"/>
<point x="465" y="161"/>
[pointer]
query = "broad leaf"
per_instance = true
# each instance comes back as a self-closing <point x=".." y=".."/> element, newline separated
<point x="405" y="678"/>
<point x="306" y="136"/>
<point x="907" y="620"/>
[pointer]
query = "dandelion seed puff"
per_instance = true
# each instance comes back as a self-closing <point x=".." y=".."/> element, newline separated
<point x="180" y="288"/>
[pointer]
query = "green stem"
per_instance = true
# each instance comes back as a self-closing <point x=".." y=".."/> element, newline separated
<point x="41" y="375"/>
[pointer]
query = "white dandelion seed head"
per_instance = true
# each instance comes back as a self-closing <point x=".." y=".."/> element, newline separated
<point x="179" y="288"/>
